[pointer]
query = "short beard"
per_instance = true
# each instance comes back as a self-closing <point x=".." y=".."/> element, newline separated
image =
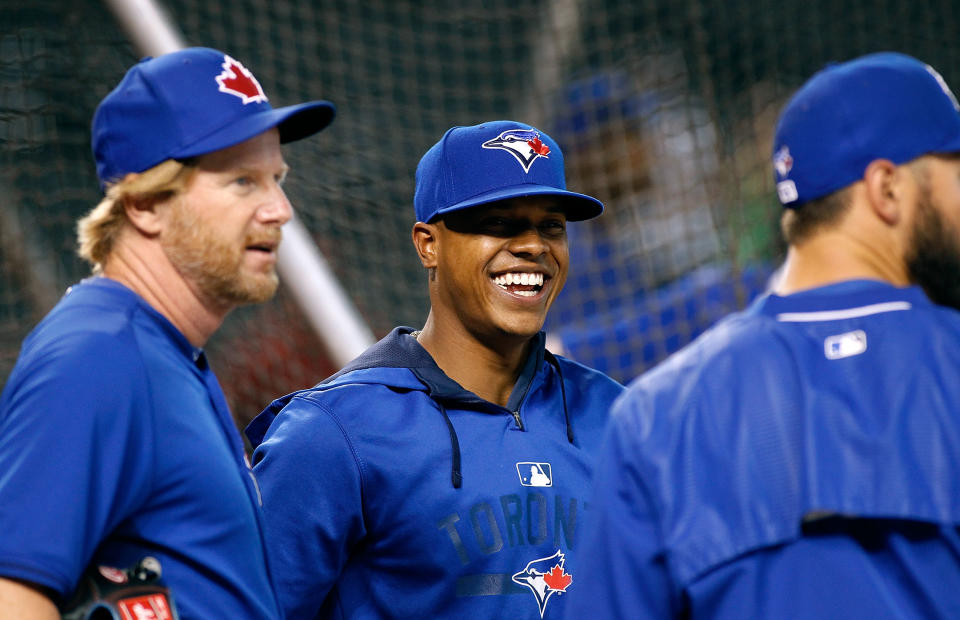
<point x="213" y="264"/>
<point x="933" y="259"/>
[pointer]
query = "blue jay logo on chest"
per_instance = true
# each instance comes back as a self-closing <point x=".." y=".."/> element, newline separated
<point x="545" y="577"/>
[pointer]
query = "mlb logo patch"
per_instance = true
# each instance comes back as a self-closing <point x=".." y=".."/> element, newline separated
<point x="845" y="345"/>
<point x="535" y="474"/>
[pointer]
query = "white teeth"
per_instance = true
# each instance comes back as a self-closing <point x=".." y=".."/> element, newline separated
<point x="521" y="278"/>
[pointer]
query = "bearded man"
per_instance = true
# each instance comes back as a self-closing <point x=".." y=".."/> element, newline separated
<point x="116" y="443"/>
<point x="802" y="458"/>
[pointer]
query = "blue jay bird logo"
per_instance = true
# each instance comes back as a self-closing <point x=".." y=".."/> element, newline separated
<point x="783" y="162"/>
<point x="524" y="144"/>
<point x="545" y="577"/>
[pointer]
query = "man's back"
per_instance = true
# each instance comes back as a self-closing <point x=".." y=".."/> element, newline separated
<point x="801" y="460"/>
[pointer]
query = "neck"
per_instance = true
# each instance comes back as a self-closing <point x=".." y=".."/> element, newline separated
<point x="490" y="372"/>
<point x="832" y="256"/>
<point x="142" y="266"/>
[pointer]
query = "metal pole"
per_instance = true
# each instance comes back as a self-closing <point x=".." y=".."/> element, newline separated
<point x="301" y="266"/>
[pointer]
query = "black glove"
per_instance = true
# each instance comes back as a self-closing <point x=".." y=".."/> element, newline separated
<point x="107" y="593"/>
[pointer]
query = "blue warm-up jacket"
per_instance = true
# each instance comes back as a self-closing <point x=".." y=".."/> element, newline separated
<point x="390" y="491"/>
<point x="800" y="460"/>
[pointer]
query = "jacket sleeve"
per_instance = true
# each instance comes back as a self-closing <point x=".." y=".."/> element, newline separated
<point x="75" y="456"/>
<point x="311" y="483"/>
<point x="624" y="574"/>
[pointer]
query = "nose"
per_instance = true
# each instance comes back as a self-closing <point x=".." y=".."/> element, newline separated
<point x="528" y="242"/>
<point x="276" y="208"/>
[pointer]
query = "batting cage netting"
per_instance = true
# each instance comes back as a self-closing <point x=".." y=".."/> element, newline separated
<point x="664" y="110"/>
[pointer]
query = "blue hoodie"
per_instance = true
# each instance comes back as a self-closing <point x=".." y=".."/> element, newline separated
<point x="390" y="491"/>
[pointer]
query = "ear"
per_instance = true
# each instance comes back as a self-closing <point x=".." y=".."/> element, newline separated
<point x="886" y="187"/>
<point x="145" y="213"/>
<point x="425" y="239"/>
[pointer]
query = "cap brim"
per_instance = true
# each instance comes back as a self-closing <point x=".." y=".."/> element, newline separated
<point x="577" y="207"/>
<point x="304" y="120"/>
<point x="294" y="123"/>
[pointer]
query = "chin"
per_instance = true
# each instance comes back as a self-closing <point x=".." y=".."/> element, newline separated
<point x="247" y="290"/>
<point x="521" y="329"/>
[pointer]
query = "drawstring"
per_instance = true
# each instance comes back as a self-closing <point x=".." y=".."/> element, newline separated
<point x="550" y="357"/>
<point x="455" y="474"/>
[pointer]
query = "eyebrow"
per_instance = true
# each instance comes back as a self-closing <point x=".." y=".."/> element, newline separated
<point x="284" y="170"/>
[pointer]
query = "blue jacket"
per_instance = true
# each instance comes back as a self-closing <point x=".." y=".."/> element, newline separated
<point x="392" y="492"/>
<point x="801" y="460"/>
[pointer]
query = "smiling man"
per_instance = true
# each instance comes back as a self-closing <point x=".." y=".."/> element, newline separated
<point x="443" y="473"/>
<point x="115" y="440"/>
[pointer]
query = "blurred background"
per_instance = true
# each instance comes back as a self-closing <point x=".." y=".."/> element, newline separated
<point x="664" y="110"/>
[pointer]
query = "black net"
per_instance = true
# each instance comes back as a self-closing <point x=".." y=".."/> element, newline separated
<point x="664" y="111"/>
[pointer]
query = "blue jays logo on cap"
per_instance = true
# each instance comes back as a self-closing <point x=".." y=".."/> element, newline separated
<point x="884" y="105"/>
<point x="943" y="85"/>
<point x="464" y="170"/>
<point x="185" y="104"/>
<point x="239" y="81"/>
<point x="782" y="162"/>
<point x="524" y="144"/>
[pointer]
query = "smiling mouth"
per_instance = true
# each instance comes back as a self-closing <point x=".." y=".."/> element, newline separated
<point x="520" y="283"/>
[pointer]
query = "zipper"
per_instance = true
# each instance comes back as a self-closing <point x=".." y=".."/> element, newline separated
<point x="516" y="416"/>
<point x="526" y="390"/>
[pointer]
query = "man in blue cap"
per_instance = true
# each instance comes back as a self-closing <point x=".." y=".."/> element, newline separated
<point x="443" y="473"/>
<point x="116" y="443"/>
<point x="802" y="458"/>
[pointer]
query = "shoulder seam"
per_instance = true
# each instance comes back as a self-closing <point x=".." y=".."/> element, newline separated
<point x="358" y="460"/>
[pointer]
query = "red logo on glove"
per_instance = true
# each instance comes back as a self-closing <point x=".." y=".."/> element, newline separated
<point x="152" y="607"/>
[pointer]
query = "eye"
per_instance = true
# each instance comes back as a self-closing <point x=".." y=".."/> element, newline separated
<point x="553" y="227"/>
<point x="495" y="225"/>
<point x="494" y="221"/>
<point x="243" y="181"/>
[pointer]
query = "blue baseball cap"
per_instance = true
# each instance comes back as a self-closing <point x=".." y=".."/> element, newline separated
<point x="879" y="106"/>
<point x="187" y="103"/>
<point x="480" y="164"/>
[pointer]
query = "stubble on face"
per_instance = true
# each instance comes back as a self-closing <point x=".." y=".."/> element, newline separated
<point x="933" y="260"/>
<point x="214" y="263"/>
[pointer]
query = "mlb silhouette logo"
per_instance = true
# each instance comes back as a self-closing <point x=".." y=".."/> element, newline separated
<point x="535" y="474"/>
<point x="845" y="345"/>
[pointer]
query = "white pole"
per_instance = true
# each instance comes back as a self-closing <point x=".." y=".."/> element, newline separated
<point x="148" y="26"/>
<point x="305" y="271"/>
<point x="301" y="266"/>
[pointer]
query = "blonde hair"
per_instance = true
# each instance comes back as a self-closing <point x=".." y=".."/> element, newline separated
<point x="97" y="230"/>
